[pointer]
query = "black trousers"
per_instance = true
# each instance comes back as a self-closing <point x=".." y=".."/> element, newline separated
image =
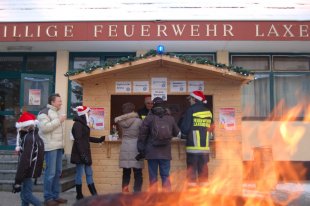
<point x="138" y="178"/>
<point x="197" y="164"/>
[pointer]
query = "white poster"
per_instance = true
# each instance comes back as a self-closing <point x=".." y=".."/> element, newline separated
<point x="141" y="86"/>
<point x="177" y="86"/>
<point x="96" y="118"/>
<point x="159" y="93"/>
<point x="228" y="118"/>
<point x="159" y="83"/>
<point x="34" y="97"/>
<point x="123" y="87"/>
<point x="196" y="85"/>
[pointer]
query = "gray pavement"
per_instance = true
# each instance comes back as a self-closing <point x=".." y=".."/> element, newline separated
<point x="11" y="199"/>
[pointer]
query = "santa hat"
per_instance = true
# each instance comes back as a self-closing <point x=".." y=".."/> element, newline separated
<point x="82" y="110"/>
<point x="197" y="94"/>
<point x="25" y="120"/>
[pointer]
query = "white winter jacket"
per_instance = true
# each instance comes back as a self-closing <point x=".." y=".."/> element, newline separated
<point x="50" y="128"/>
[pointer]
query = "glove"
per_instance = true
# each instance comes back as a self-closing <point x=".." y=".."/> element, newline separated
<point x="102" y="138"/>
<point x="183" y="136"/>
<point x="211" y="134"/>
<point x="140" y="156"/>
<point x="16" y="188"/>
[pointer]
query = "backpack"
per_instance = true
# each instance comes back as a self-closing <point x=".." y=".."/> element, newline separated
<point x="161" y="131"/>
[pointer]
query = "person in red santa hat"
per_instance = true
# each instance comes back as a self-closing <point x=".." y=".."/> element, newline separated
<point x="195" y="128"/>
<point x="30" y="148"/>
<point x="81" y="153"/>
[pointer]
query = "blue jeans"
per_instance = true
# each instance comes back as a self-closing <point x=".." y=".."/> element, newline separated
<point x="53" y="160"/>
<point x="26" y="194"/>
<point x="164" y="170"/>
<point x="80" y="168"/>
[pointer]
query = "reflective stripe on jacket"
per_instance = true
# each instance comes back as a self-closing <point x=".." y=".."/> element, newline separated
<point x="195" y="126"/>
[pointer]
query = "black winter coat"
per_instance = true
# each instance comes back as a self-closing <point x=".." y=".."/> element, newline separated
<point x="145" y="145"/>
<point x="31" y="156"/>
<point x="189" y="128"/>
<point x="81" y="153"/>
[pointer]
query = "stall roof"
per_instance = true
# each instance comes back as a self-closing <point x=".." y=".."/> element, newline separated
<point x="159" y="60"/>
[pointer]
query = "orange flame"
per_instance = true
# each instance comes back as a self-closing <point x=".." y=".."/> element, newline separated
<point x="227" y="183"/>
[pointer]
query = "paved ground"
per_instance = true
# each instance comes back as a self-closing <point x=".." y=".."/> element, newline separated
<point x="10" y="199"/>
<point x="281" y="193"/>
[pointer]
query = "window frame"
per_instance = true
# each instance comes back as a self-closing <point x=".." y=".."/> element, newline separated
<point x="102" y="55"/>
<point x="17" y="75"/>
<point x="272" y="74"/>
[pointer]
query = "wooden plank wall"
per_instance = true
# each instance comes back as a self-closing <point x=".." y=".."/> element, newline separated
<point x="226" y="94"/>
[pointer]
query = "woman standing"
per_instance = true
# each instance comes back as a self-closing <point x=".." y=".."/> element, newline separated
<point x="81" y="154"/>
<point x="130" y="124"/>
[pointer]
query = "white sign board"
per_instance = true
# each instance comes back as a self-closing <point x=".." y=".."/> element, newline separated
<point x="159" y="93"/>
<point x="159" y="83"/>
<point x="123" y="87"/>
<point x="177" y="86"/>
<point x="196" y="85"/>
<point x="141" y="86"/>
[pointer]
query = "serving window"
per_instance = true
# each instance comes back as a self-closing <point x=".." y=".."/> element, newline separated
<point x="177" y="104"/>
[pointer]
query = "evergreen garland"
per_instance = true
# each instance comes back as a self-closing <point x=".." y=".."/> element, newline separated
<point x="153" y="53"/>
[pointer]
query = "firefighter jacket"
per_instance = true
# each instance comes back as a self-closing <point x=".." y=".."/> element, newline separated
<point x="194" y="128"/>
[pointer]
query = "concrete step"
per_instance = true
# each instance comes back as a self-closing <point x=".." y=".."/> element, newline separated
<point x="10" y="164"/>
<point x="68" y="170"/>
<point x="65" y="184"/>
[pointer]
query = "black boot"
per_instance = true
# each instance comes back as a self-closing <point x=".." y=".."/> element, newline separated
<point x="92" y="189"/>
<point x="79" y="194"/>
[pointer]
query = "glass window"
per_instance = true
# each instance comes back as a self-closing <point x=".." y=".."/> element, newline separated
<point x="253" y="63"/>
<point x="76" y="96"/>
<point x="291" y="91"/>
<point x="36" y="92"/>
<point x="210" y="57"/>
<point x="256" y="97"/>
<point x="10" y="63"/>
<point x="291" y="63"/>
<point x="40" y="63"/>
<point x="85" y="62"/>
<point x="9" y="105"/>
<point x="8" y="129"/>
<point x="9" y="94"/>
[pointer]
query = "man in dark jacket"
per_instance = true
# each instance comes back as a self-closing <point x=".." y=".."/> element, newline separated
<point x="31" y="156"/>
<point x="148" y="104"/>
<point x="81" y="154"/>
<point x="195" y="128"/>
<point x="157" y="154"/>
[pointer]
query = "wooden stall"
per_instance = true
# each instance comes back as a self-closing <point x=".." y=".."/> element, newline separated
<point x="221" y="87"/>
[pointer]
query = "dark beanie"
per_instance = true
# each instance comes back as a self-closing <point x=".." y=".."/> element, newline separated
<point x="158" y="102"/>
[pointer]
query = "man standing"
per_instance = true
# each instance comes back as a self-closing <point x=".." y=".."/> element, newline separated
<point x="148" y="104"/>
<point x="195" y="129"/>
<point x="154" y="143"/>
<point x="51" y="131"/>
